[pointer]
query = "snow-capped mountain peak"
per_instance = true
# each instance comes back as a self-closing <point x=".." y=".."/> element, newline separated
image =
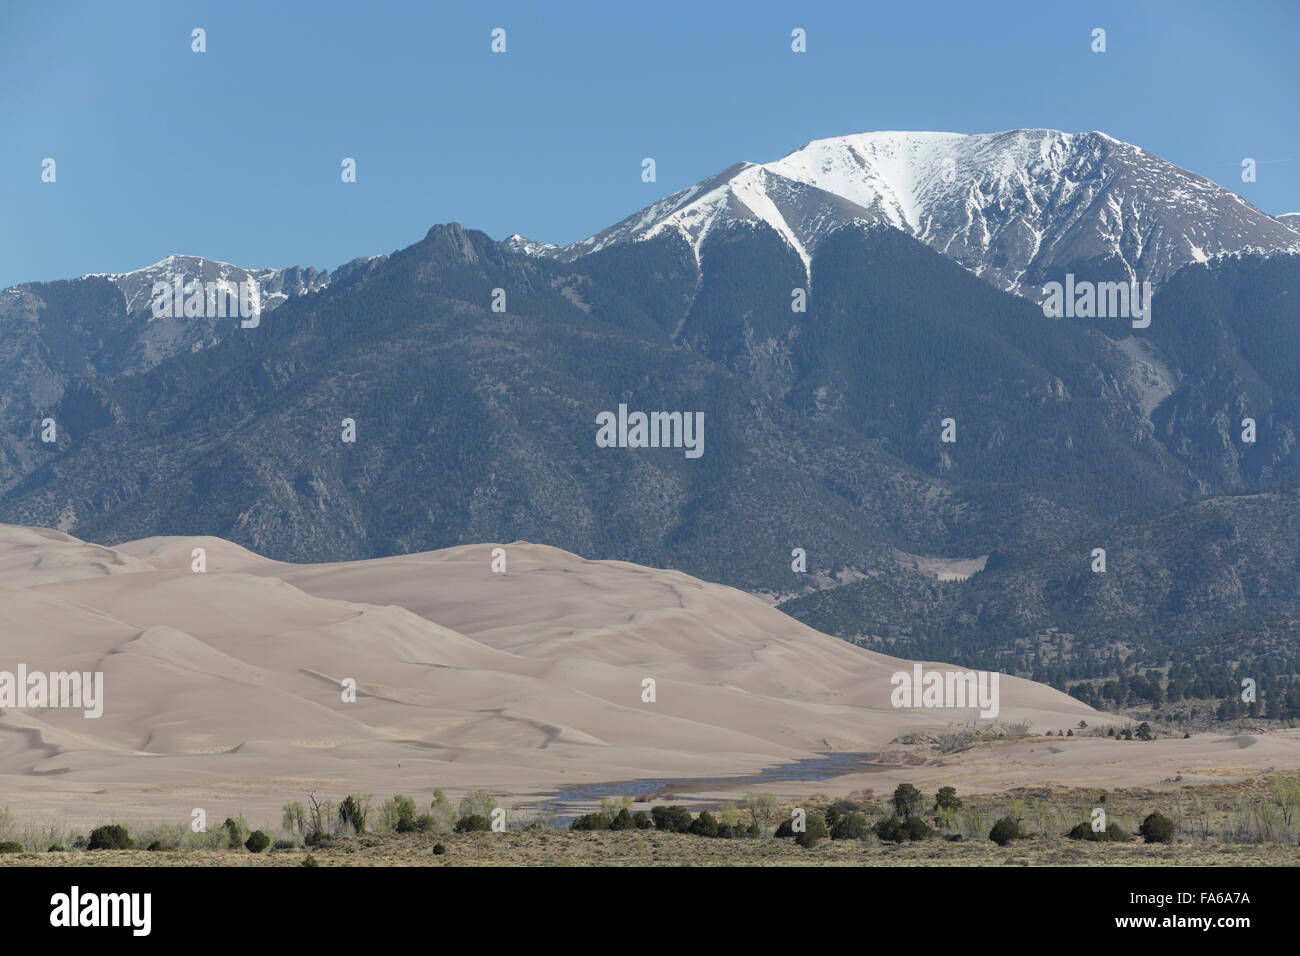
<point x="529" y="247"/>
<point x="1015" y="207"/>
<point x="271" y="287"/>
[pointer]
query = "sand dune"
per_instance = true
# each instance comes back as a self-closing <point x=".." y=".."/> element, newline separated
<point x="224" y="689"/>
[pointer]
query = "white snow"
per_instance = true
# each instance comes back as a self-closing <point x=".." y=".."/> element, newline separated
<point x="997" y="203"/>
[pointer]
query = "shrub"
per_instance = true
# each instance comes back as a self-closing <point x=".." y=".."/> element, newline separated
<point x="310" y="860"/>
<point x="786" y="829"/>
<point x="1083" y="831"/>
<point x="257" y="842"/>
<point x="398" y="814"/>
<point x="480" y="803"/>
<point x="111" y="836"/>
<point x="588" y="821"/>
<point x="705" y="825"/>
<point x="354" y="810"/>
<point x="1113" y="833"/>
<point x="1157" y="828"/>
<point x="894" y="830"/>
<point x="295" y="819"/>
<point x="642" y="820"/>
<point x="236" y="832"/>
<point x="890" y="830"/>
<point x="443" y="813"/>
<point x="622" y="821"/>
<point x="816" y="830"/>
<point x="610" y="807"/>
<point x="11" y="846"/>
<point x="850" y="826"/>
<point x="1006" y="830"/>
<point x="673" y="819"/>
<point x="947" y="799"/>
<point x="728" y="814"/>
<point x="439" y="849"/>
<point x="907" y="801"/>
<point x="155" y="847"/>
<point x="474" y="823"/>
<point x="917" y="829"/>
<point x="832" y="816"/>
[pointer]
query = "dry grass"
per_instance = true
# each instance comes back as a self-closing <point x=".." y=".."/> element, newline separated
<point x="1215" y="828"/>
<point x="652" y="848"/>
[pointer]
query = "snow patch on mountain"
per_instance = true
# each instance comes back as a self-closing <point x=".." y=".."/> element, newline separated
<point x="271" y="287"/>
<point x="1017" y="208"/>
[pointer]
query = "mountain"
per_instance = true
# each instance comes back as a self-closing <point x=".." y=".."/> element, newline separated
<point x="1018" y="208"/>
<point x="271" y="286"/>
<point x="54" y="334"/>
<point x="825" y="428"/>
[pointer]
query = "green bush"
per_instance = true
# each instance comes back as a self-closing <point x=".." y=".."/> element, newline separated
<point x="439" y="849"/>
<point x="474" y="823"/>
<point x="257" y="842"/>
<point x="815" y="830"/>
<point x="155" y="847"/>
<point x="673" y="819"/>
<point x="310" y="860"/>
<point x="622" y="821"/>
<point x="236" y="832"/>
<point x="1113" y="833"/>
<point x="907" y="801"/>
<point x="947" y="799"/>
<point x="850" y="826"/>
<point x="894" y="830"/>
<point x="917" y="829"/>
<point x="589" y="821"/>
<point x="704" y="825"/>
<point x="9" y="846"/>
<point x="354" y="810"/>
<point x="111" y="836"/>
<point x="480" y="803"/>
<point x="1006" y="830"/>
<point x="642" y="820"/>
<point x="398" y="814"/>
<point x="1157" y="828"/>
<point x="1117" y="834"/>
<point x="1084" y="831"/>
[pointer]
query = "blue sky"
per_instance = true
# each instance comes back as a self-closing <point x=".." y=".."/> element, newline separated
<point x="235" y="153"/>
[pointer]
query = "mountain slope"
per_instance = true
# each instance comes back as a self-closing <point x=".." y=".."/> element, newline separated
<point x="1018" y="208"/>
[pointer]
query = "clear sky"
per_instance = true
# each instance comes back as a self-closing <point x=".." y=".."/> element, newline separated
<point x="235" y="153"/>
